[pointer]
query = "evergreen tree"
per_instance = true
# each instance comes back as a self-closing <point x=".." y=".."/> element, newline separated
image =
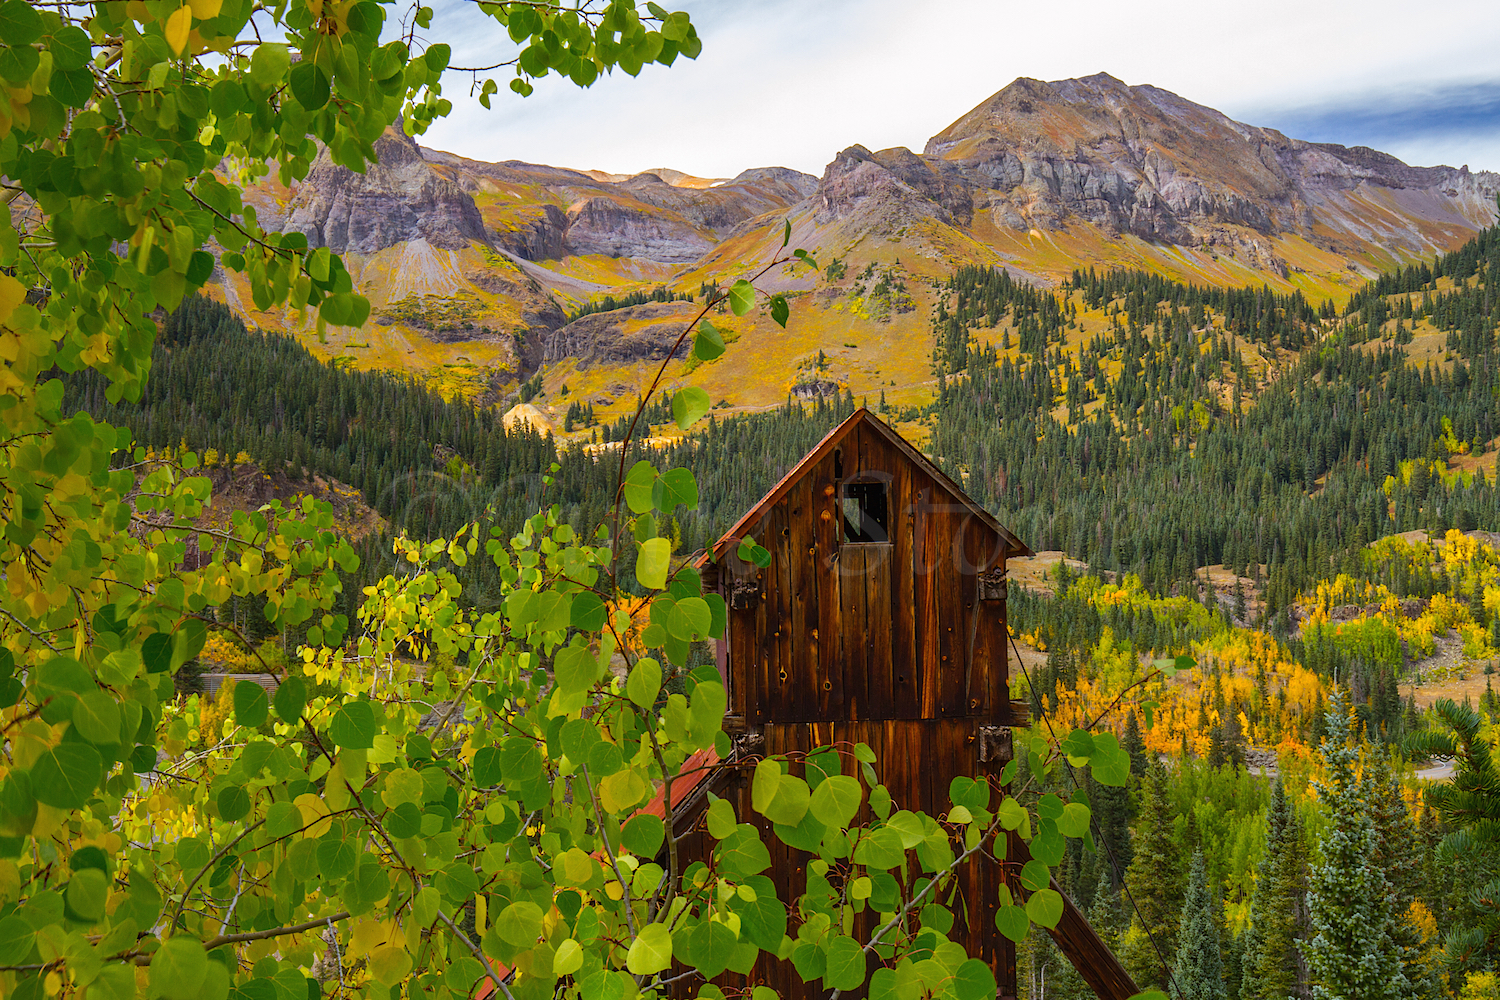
<point x="1270" y="942"/>
<point x="1351" y="955"/>
<point x="1398" y="852"/>
<point x="1156" y="882"/>
<point x="1199" y="970"/>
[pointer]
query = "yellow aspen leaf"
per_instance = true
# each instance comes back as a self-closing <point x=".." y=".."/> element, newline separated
<point x="205" y="9"/>
<point x="11" y="295"/>
<point x="179" y="24"/>
<point x="390" y="964"/>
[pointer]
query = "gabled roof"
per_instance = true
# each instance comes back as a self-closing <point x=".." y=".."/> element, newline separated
<point x="1013" y="546"/>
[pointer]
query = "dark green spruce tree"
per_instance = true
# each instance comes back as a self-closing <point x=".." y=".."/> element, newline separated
<point x="1271" y="967"/>
<point x="1156" y="883"/>
<point x="1198" y="973"/>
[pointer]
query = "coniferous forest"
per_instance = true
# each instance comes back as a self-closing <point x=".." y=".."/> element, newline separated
<point x="1295" y="446"/>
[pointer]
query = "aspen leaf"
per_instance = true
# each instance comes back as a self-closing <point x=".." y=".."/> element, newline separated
<point x="177" y="27"/>
<point x="651" y="951"/>
<point x="390" y="964"/>
<point x="205" y="9"/>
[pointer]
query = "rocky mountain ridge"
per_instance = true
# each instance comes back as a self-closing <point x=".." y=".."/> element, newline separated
<point x="472" y="267"/>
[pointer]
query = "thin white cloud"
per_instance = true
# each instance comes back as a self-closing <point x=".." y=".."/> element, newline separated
<point x="787" y="83"/>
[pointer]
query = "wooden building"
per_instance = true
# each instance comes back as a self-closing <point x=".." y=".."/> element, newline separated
<point x="880" y="619"/>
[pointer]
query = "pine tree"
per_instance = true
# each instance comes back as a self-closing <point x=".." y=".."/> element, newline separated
<point x="1351" y="955"/>
<point x="1198" y="973"/>
<point x="1270" y="942"/>
<point x="1398" y="852"/>
<point x="1156" y="882"/>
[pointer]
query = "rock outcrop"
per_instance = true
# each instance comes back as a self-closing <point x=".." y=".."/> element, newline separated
<point x="402" y="198"/>
<point x="621" y="336"/>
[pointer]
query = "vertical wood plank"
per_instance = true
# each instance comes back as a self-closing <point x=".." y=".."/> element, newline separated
<point x="903" y="512"/>
<point x="802" y="647"/>
<point x="853" y="578"/>
<point x="879" y="695"/>
<point x="760" y="704"/>
<point x="824" y="510"/>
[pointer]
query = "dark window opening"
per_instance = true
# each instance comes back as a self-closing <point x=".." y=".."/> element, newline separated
<point x="866" y="513"/>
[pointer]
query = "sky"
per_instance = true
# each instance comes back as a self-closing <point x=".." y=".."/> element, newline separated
<point x="792" y="82"/>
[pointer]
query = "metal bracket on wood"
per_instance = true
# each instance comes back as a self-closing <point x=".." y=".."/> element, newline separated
<point x="992" y="586"/>
<point x="994" y="745"/>
<point x="749" y="744"/>
<point x="743" y="594"/>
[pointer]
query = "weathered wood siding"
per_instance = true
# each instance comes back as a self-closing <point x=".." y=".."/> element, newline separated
<point x="850" y="631"/>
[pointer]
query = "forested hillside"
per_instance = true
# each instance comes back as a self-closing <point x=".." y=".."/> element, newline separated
<point x="1293" y="444"/>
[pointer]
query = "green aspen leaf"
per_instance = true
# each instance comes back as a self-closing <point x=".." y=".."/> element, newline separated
<point x="233" y="803"/>
<point x="1012" y="815"/>
<point x="779" y="310"/>
<point x="652" y="563"/>
<point x="179" y="968"/>
<point x="742" y="854"/>
<point x="96" y="716"/>
<point x="576" y="669"/>
<point x="640" y="484"/>
<point x="836" y="800"/>
<point x="721" y="819"/>
<point x="520" y="924"/>
<point x="974" y="981"/>
<point x="336" y="857"/>
<point x="908" y="827"/>
<point x="689" y="405"/>
<point x="66" y="775"/>
<point x="487" y="767"/>
<point x="789" y="801"/>
<point x="72" y="87"/>
<point x="87" y="892"/>
<point x="156" y="653"/>
<point x="1184" y="662"/>
<point x="763" y="786"/>
<point x="1149" y="995"/>
<point x="651" y="951"/>
<point x="70" y="47"/>
<point x="1013" y="922"/>
<point x="309" y="85"/>
<point x="200" y="267"/>
<point x="406" y="820"/>
<point x="786" y="236"/>
<point x="251" y="706"/>
<point x="845" y="968"/>
<point x="1045" y="907"/>
<point x="568" y="958"/>
<point x="1074" y="821"/>
<point x="588" y="613"/>
<point x="676" y="486"/>
<point x="16" y="938"/>
<point x="1035" y="875"/>
<point x="1109" y="763"/>
<point x="1048" y="846"/>
<point x="712" y="946"/>
<point x="283" y="819"/>
<point x="188" y="640"/>
<point x="643" y="835"/>
<point x="644" y="683"/>
<point x="269" y="65"/>
<point x="880" y="801"/>
<point x="1078" y="744"/>
<point x="741" y="297"/>
<point x="19" y="24"/>
<point x="291" y="698"/>
<point x="353" y="726"/>
<point x="708" y="342"/>
<point x="689" y="619"/>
